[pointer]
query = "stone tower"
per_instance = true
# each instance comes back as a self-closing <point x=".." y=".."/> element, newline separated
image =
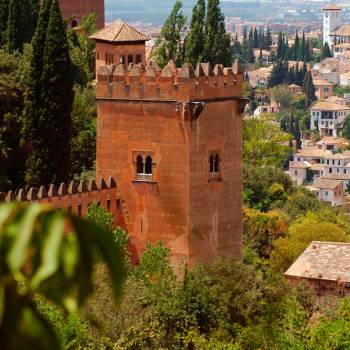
<point x="75" y="10"/>
<point x="331" y="21"/>
<point x="172" y="139"/>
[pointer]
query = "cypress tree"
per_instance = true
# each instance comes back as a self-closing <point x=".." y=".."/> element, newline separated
<point x="217" y="48"/>
<point x="279" y="46"/>
<point x="21" y="23"/>
<point x="49" y="127"/>
<point x="245" y="34"/>
<point x="309" y="88"/>
<point x="13" y="32"/>
<point x="4" y="14"/>
<point x="268" y="39"/>
<point x="326" y="51"/>
<point x="251" y="35"/>
<point x="195" y="37"/>
<point x="256" y="38"/>
<point x="296" y="47"/>
<point x="302" y="49"/>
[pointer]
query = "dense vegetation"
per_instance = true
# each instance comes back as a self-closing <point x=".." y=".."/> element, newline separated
<point x="47" y="103"/>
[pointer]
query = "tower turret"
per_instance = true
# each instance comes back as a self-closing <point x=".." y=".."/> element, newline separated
<point x="331" y="21"/>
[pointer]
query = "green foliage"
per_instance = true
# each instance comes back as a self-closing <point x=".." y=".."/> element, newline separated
<point x="309" y="88"/>
<point x="282" y="96"/>
<point x="217" y="41"/>
<point x="11" y="105"/>
<point x="264" y="144"/>
<point x="21" y="22"/>
<point x="300" y="235"/>
<point x="100" y="217"/>
<point x="49" y="132"/>
<point x="168" y="46"/>
<point x="82" y="50"/>
<point x="326" y="51"/>
<point x="60" y="269"/>
<point x="4" y="13"/>
<point x="260" y="184"/>
<point x="196" y="36"/>
<point x="206" y="41"/>
<point x="346" y="127"/>
<point x="83" y="141"/>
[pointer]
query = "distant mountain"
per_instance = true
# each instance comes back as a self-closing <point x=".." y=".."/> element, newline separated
<point x="156" y="11"/>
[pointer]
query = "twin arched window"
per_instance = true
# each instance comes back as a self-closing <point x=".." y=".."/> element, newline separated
<point x="214" y="163"/>
<point x="144" y="166"/>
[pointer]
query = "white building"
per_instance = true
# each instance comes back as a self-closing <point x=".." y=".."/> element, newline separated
<point x="331" y="21"/>
<point x="328" y="118"/>
<point x="330" y="191"/>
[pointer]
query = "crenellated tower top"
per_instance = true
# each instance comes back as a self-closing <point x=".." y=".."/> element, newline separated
<point x="139" y="82"/>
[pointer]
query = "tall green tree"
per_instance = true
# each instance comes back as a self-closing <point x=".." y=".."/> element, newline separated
<point x="217" y="48"/>
<point x="20" y="23"/>
<point x="326" y="51"/>
<point x="32" y="120"/>
<point x="169" y="46"/>
<point x="309" y="88"/>
<point x="4" y="13"/>
<point x="48" y="109"/>
<point x="196" y="37"/>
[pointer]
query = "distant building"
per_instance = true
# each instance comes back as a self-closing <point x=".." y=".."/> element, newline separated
<point x="295" y="89"/>
<point x="273" y="107"/>
<point x="329" y="190"/>
<point x="260" y="76"/>
<point x="323" y="87"/>
<point x="331" y="21"/>
<point x="328" y="118"/>
<point x="324" y="267"/>
<point x="338" y="100"/>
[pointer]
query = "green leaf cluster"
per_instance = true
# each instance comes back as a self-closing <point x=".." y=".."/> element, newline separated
<point x="38" y="257"/>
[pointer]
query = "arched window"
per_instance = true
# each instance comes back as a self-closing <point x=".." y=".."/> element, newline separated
<point x="122" y="59"/>
<point x="148" y="166"/>
<point x="130" y="59"/>
<point x="139" y="165"/>
<point x="138" y="59"/>
<point x="74" y="23"/>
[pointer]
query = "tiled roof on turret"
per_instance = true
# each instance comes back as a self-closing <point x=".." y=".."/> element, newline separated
<point x="332" y="7"/>
<point x="119" y="31"/>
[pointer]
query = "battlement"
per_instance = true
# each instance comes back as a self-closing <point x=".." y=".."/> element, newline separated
<point x="76" y="197"/>
<point x="139" y="82"/>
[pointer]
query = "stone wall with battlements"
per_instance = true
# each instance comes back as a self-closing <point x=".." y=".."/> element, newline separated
<point x="74" y="197"/>
<point x="170" y="83"/>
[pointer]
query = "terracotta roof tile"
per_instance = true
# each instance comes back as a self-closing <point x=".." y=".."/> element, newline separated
<point x="323" y="260"/>
<point x="327" y="183"/>
<point x="342" y="31"/>
<point x="329" y="106"/>
<point x="119" y="31"/>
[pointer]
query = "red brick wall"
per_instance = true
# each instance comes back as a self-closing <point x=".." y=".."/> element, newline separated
<point x="81" y="8"/>
<point x="216" y="201"/>
<point x="321" y="288"/>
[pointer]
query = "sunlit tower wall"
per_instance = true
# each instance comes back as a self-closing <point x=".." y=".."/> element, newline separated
<point x="331" y="21"/>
